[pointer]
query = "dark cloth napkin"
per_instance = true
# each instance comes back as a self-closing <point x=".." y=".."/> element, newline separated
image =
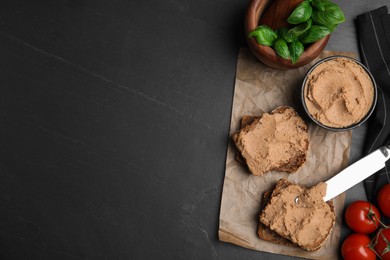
<point x="374" y="41"/>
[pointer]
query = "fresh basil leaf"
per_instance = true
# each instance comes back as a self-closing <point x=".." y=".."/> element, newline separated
<point x="281" y="48"/>
<point x="300" y="29"/>
<point x="286" y="35"/>
<point x="335" y="13"/>
<point x="320" y="4"/>
<point x="332" y="27"/>
<point x="331" y="16"/>
<point x="296" y="49"/>
<point x="301" y="13"/>
<point x="315" y="33"/>
<point x="264" y="35"/>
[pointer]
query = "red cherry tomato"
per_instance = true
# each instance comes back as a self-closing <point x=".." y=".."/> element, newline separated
<point x="362" y="217"/>
<point x="383" y="200"/>
<point x="382" y="243"/>
<point x="357" y="247"/>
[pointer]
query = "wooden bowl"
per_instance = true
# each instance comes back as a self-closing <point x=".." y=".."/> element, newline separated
<point x="274" y="13"/>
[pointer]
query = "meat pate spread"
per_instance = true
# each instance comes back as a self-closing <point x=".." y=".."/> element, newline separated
<point x="273" y="140"/>
<point x="339" y="93"/>
<point x="306" y="223"/>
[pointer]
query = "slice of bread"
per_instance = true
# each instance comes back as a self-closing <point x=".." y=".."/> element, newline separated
<point x="276" y="141"/>
<point x="306" y="225"/>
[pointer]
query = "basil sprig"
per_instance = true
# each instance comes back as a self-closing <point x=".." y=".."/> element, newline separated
<point x="300" y="29"/>
<point x="310" y="21"/>
<point x="286" y="35"/>
<point x="264" y="35"/>
<point x="320" y="4"/>
<point x="301" y="13"/>
<point x="315" y="33"/>
<point x="296" y="49"/>
<point x="330" y="17"/>
<point x="281" y="48"/>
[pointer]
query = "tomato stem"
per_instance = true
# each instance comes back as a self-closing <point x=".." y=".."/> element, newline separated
<point x="380" y="222"/>
<point x="372" y="216"/>
<point x="387" y="248"/>
<point x="373" y="243"/>
<point x="372" y="248"/>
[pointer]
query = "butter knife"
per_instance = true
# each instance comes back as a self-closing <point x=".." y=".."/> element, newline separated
<point x="357" y="172"/>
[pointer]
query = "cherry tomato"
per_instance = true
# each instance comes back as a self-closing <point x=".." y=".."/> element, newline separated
<point x="383" y="200"/>
<point x="362" y="217"/>
<point x="357" y="247"/>
<point x="382" y="243"/>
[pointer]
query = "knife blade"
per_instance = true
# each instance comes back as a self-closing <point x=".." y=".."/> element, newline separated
<point x="357" y="172"/>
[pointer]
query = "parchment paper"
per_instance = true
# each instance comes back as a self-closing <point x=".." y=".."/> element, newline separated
<point x="260" y="89"/>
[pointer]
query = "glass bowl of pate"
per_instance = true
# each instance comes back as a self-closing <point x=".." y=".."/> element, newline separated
<point x="339" y="93"/>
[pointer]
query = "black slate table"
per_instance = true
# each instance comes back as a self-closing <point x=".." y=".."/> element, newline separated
<point x="114" y="120"/>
